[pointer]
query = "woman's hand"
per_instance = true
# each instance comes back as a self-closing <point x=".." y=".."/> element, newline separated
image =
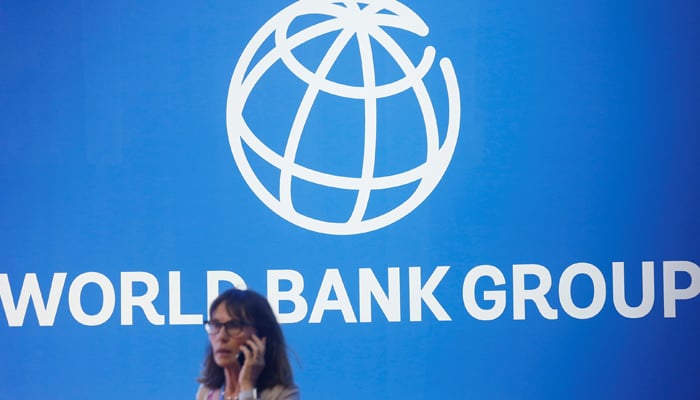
<point x="254" y="351"/>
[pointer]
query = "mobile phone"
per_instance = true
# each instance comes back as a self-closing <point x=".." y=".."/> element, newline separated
<point x="241" y="358"/>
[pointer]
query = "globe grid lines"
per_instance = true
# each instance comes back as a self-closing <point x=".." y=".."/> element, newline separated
<point x="427" y="174"/>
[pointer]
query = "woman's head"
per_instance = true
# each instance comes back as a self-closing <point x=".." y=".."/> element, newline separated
<point x="244" y="312"/>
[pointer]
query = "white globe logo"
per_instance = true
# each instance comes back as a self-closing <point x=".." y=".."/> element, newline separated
<point x="363" y="22"/>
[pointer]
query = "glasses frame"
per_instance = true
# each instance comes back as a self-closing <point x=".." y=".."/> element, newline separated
<point x="232" y="327"/>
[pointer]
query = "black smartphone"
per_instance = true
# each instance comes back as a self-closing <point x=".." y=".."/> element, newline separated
<point x="241" y="358"/>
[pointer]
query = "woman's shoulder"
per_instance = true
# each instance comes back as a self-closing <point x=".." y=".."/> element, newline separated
<point x="280" y="392"/>
<point x="203" y="392"/>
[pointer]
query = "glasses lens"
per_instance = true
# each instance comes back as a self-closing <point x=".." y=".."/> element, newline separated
<point x="232" y="328"/>
<point x="211" y="327"/>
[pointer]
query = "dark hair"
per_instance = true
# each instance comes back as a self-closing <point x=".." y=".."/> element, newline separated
<point x="248" y="305"/>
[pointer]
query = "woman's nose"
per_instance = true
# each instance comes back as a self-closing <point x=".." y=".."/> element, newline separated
<point x="223" y="335"/>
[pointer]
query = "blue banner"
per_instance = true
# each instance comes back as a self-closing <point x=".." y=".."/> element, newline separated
<point x="454" y="199"/>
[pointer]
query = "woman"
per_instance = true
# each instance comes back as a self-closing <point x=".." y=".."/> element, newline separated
<point x="247" y="356"/>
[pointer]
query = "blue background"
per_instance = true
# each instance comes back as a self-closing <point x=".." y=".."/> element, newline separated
<point x="578" y="143"/>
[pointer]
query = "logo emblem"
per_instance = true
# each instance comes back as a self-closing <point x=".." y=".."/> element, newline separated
<point x="318" y="130"/>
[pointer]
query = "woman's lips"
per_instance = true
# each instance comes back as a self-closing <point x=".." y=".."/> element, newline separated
<point x="224" y="352"/>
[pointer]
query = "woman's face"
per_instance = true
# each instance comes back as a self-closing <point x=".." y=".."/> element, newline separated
<point x="227" y="342"/>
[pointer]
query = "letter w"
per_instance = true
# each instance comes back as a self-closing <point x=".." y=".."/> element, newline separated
<point x="45" y="312"/>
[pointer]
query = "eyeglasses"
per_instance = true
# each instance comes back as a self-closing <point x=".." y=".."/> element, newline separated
<point x="233" y="327"/>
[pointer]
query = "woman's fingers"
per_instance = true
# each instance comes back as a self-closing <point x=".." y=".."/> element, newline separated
<point x="246" y="352"/>
<point x="254" y="349"/>
<point x="257" y="348"/>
